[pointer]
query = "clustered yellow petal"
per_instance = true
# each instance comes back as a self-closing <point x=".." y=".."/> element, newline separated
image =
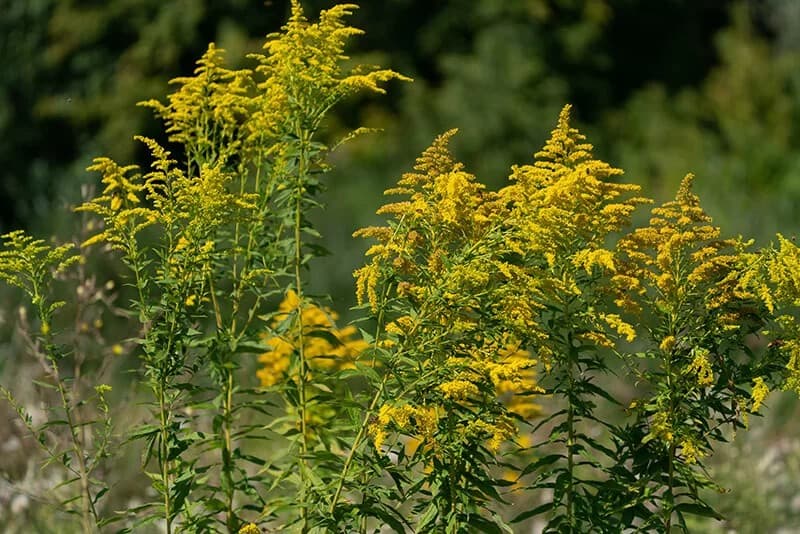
<point x="458" y="390"/>
<point x="497" y="432"/>
<point x="30" y="263"/>
<point x="319" y="349"/>
<point x="679" y="253"/>
<point x="420" y="422"/>
<point x="701" y="367"/>
<point x="567" y="197"/>
<point x="661" y="426"/>
<point x="619" y="326"/>
<point x="250" y="528"/>
<point x="759" y="393"/>
<point x="784" y="272"/>
<point x="667" y="343"/>
<point x="303" y="71"/>
<point x="691" y="452"/>
<point x="480" y="268"/>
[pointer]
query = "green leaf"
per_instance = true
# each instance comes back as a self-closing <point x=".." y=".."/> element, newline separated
<point x="698" y="508"/>
<point x="546" y="507"/>
<point x="327" y="335"/>
<point x="428" y="518"/>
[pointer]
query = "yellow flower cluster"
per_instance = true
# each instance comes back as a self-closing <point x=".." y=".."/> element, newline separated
<point x="792" y="347"/>
<point x="420" y="422"/>
<point x="565" y="204"/>
<point x="784" y="273"/>
<point x="503" y="371"/>
<point x="484" y="266"/>
<point x="224" y="119"/>
<point x="759" y="393"/>
<point x="250" y="528"/>
<point x="497" y="432"/>
<point x="458" y="390"/>
<point x="661" y="427"/>
<point x="190" y="209"/>
<point x="667" y="344"/>
<point x="30" y="263"/>
<point x="303" y="74"/>
<point x="208" y="110"/>
<point x="118" y="204"/>
<point x="775" y="280"/>
<point x="447" y="210"/>
<point x="619" y="326"/>
<point x="319" y="329"/>
<point x="514" y="379"/>
<point x="691" y="452"/>
<point x="679" y="253"/>
<point x="701" y="367"/>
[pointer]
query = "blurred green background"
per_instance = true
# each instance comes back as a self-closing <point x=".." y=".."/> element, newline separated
<point x="661" y="87"/>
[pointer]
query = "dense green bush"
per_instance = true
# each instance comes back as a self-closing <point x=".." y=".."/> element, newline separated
<point x="490" y="323"/>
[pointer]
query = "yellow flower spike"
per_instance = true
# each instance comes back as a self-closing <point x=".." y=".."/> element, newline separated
<point x="378" y="437"/>
<point x="366" y="284"/>
<point x="758" y="394"/>
<point x="400" y="418"/>
<point x="681" y="254"/>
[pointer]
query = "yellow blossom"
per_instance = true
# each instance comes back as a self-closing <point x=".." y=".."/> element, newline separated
<point x="497" y="432"/>
<point x="661" y="427"/>
<point x="691" y="453"/>
<point x="590" y="258"/>
<point x="621" y="327"/>
<point x="680" y="253"/>
<point x="419" y="420"/>
<point x="366" y="284"/>
<point x="319" y="351"/>
<point x="458" y="389"/>
<point x="759" y="393"/>
<point x="667" y="343"/>
<point x="701" y="367"/>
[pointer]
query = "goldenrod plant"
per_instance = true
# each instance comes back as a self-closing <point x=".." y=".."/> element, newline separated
<point x="231" y="232"/>
<point x="76" y="432"/>
<point x="491" y="324"/>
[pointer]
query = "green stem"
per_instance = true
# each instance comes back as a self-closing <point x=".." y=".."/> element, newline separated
<point x="163" y="459"/>
<point x="227" y="453"/>
<point x="88" y="512"/>
<point x="301" y="381"/>
<point x="670" y="496"/>
<point x="571" y="420"/>
<point x="362" y="430"/>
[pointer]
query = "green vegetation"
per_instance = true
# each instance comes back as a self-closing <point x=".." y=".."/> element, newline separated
<point x="534" y="352"/>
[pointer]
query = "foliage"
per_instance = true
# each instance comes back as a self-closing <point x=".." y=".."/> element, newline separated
<point x="490" y="318"/>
